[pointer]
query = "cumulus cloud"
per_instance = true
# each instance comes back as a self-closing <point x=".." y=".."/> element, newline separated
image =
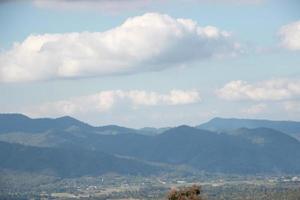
<point x="145" y="43"/>
<point x="105" y="101"/>
<point x="277" y="89"/>
<point x="290" y="36"/>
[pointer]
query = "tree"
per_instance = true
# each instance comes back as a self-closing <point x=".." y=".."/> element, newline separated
<point x="187" y="193"/>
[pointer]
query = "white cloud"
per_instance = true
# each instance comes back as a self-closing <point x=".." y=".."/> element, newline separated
<point x="277" y="89"/>
<point x="175" y="97"/>
<point x="290" y="36"/>
<point x="255" y="109"/>
<point x="144" y="43"/>
<point x="105" y="101"/>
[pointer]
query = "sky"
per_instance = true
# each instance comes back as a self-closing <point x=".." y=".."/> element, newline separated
<point x="150" y="63"/>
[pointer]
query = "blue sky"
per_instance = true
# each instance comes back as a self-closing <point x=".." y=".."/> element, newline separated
<point x="155" y="70"/>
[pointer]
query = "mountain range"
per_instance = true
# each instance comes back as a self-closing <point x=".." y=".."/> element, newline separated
<point x="67" y="147"/>
<point x="222" y="124"/>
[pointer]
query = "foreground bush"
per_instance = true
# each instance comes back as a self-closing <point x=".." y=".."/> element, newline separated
<point x="188" y="193"/>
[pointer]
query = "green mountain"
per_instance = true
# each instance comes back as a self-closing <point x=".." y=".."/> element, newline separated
<point x="59" y="145"/>
<point x="71" y="162"/>
<point x="222" y="124"/>
<point x="248" y="152"/>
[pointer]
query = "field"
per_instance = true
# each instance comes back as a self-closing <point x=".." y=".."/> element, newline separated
<point x="112" y="186"/>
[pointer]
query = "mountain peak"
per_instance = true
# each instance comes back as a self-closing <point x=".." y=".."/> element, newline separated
<point x="226" y="124"/>
<point x="184" y="127"/>
<point x="13" y="115"/>
<point x="66" y="117"/>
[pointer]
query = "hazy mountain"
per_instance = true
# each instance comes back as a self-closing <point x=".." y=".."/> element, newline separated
<point x="69" y="162"/>
<point x="48" y="132"/>
<point x="235" y="153"/>
<point x="221" y="124"/>
<point x="22" y="123"/>
<point x="242" y="150"/>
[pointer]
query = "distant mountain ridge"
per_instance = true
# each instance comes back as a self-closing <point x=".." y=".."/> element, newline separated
<point x="213" y="152"/>
<point x="22" y="123"/>
<point x="227" y="124"/>
<point x="216" y="146"/>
